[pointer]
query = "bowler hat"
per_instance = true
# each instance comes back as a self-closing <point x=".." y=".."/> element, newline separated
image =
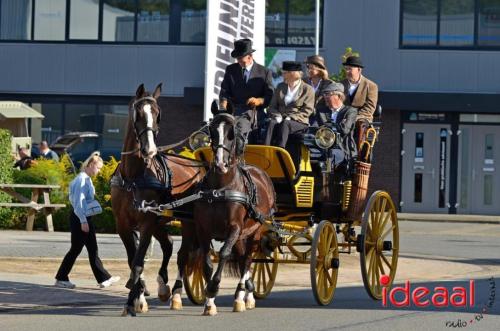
<point x="242" y="47"/>
<point x="291" y="66"/>
<point x="333" y="87"/>
<point x="353" y="61"/>
<point x="317" y="60"/>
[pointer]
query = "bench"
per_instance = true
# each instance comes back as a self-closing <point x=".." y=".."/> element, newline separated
<point x="34" y="206"/>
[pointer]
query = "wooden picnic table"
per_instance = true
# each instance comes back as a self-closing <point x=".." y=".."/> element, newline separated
<point x="37" y="191"/>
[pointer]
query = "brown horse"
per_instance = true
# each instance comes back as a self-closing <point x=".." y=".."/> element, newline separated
<point x="145" y="175"/>
<point x="237" y="199"/>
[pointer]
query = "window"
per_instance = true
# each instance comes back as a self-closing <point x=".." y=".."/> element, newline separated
<point x="153" y="20"/>
<point x="291" y="22"/>
<point x="288" y="22"/>
<point x="15" y="19"/>
<point x="488" y="24"/>
<point x="450" y="23"/>
<point x="118" y="20"/>
<point x="50" y="19"/>
<point x="84" y="19"/>
<point x="193" y="21"/>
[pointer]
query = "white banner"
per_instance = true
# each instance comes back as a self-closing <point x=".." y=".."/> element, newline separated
<point x="227" y="21"/>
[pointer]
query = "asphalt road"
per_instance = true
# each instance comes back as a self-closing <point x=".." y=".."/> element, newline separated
<point x="432" y="254"/>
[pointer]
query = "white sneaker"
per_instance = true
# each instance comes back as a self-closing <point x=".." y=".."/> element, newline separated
<point x="64" y="284"/>
<point x="109" y="282"/>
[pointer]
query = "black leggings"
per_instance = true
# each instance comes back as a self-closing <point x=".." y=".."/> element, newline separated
<point x="78" y="240"/>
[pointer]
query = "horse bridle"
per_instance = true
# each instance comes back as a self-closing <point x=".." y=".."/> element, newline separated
<point x="147" y="128"/>
<point x="231" y="147"/>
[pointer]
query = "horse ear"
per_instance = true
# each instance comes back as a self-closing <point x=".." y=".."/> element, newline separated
<point x="157" y="91"/>
<point x="140" y="91"/>
<point x="230" y="107"/>
<point x="214" y="107"/>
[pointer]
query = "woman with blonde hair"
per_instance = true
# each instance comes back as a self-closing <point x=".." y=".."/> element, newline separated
<point x="81" y="197"/>
<point x="291" y="105"/>
<point x="317" y="77"/>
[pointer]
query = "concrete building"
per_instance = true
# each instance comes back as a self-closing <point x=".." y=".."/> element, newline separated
<point x="436" y="63"/>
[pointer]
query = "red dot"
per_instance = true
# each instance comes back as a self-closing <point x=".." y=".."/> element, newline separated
<point x="385" y="280"/>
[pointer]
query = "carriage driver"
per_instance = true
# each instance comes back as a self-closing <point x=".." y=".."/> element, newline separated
<point x="343" y="117"/>
<point x="248" y="86"/>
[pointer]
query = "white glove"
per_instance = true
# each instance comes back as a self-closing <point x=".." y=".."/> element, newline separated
<point x="288" y="118"/>
<point x="278" y="118"/>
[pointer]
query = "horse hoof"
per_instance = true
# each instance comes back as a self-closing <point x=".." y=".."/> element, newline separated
<point x="239" y="306"/>
<point x="128" y="311"/>
<point x="164" y="293"/>
<point x="250" y="304"/>
<point x="210" y="311"/>
<point x="176" y="305"/>
<point x="141" y="305"/>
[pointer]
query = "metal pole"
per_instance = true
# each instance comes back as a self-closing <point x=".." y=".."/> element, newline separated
<point x="316" y="46"/>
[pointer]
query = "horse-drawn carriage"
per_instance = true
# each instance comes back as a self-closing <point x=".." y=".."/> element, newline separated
<point x="316" y="202"/>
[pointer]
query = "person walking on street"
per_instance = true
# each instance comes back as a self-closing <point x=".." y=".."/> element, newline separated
<point x="81" y="197"/>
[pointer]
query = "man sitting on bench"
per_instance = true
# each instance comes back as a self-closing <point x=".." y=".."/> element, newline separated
<point x="343" y="119"/>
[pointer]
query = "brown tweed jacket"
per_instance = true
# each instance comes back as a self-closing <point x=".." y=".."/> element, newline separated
<point x="365" y="98"/>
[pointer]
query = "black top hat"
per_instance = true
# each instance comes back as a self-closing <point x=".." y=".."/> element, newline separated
<point x="353" y="61"/>
<point x="242" y="47"/>
<point x="291" y="66"/>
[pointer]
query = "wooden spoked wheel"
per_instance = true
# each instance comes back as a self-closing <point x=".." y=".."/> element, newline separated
<point x="194" y="280"/>
<point x="264" y="273"/>
<point x="324" y="263"/>
<point x="378" y="243"/>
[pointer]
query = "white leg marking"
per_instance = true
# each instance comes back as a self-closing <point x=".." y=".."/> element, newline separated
<point x="210" y="302"/>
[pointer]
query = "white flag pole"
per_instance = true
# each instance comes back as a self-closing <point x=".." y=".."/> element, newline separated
<point x="316" y="46"/>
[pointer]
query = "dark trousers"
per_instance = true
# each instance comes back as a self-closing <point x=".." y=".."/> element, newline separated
<point x="284" y="129"/>
<point x="78" y="240"/>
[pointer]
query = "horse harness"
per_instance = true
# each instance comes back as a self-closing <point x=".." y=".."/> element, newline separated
<point x="163" y="182"/>
<point x="248" y="200"/>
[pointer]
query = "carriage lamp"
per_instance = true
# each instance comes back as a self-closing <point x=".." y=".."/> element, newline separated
<point x="325" y="137"/>
<point x="199" y="139"/>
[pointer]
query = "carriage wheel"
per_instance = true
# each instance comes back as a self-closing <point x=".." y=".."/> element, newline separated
<point x="194" y="282"/>
<point x="324" y="263"/>
<point x="378" y="243"/>
<point x="264" y="273"/>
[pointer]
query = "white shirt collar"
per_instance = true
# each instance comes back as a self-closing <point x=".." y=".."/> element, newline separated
<point x="249" y="67"/>
<point x="291" y="94"/>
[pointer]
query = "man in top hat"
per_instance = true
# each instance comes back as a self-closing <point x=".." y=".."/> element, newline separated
<point x="317" y="77"/>
<point x="248" y="86"/>
<point x="361" y="93"/>
<point x="343" y="117"/>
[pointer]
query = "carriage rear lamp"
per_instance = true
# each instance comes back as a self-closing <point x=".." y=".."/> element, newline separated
<point x="325" y="137"/>
<point x="199" y="139"/>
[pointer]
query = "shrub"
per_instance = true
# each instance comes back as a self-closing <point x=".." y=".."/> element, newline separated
<point x="6" y="161"/>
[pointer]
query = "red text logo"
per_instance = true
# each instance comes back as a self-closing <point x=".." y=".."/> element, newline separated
<point x="422" y="296"/>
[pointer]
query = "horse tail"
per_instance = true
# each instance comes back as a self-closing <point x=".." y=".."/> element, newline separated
<point x="232" y="269"/>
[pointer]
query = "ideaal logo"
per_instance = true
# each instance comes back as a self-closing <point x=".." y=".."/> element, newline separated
<point x="439" y="297"/>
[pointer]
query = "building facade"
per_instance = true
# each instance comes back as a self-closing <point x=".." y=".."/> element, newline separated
<point x="436" y="63"/>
